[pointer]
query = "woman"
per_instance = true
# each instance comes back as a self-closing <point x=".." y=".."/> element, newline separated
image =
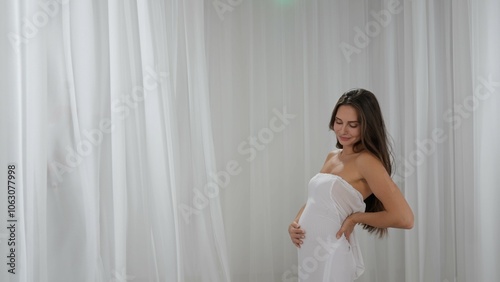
<point x="353" y="187"/>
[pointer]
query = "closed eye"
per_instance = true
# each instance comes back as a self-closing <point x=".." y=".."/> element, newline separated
<point x="352" y="124"/>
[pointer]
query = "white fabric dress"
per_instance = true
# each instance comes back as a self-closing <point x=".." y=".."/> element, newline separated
<point x="322" y="257"/>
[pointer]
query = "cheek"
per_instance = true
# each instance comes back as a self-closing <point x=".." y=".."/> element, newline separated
<point x="356" y="132"/>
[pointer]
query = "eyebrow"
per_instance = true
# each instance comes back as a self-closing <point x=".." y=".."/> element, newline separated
<point x="356" y="121"/>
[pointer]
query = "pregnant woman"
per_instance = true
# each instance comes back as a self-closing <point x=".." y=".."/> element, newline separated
<point x="353" y="187"/>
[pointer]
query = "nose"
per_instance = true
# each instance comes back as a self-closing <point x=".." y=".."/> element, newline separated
<point x="343" y="128"/>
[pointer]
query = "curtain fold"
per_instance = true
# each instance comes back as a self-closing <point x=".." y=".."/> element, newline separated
<point x="483" y="105"/>
<point x="418" y="58"/>
<point x="110" y="104"/>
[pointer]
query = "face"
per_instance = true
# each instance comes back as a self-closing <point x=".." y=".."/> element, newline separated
<point x="347" y="127"/>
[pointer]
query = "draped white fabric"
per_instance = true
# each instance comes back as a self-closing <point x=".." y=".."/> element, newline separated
<point x="173" y="140"/>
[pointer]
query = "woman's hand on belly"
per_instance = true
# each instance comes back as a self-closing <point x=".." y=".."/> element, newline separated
<point x="296" y="234"/>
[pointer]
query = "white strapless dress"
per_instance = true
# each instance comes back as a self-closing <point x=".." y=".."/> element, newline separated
<point x="322" y="257"/>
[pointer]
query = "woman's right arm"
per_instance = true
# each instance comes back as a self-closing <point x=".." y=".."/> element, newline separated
<point x="296" y="233"/>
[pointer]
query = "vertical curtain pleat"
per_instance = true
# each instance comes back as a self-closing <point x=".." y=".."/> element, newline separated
<point x="484" y="102"/>
<point x="416" y="57"/>
<point x="100" y="97"/>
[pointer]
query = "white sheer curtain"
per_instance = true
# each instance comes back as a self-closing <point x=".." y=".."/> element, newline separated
<point x="432" y="65"/>
<point x="173" y="140"/>
<point x="486" y="82"/>
<point x="107" y="111"/>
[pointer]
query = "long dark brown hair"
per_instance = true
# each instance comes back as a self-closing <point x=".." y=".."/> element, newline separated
<point x="373" y="138"/>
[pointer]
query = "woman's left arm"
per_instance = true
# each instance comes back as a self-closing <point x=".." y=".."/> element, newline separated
<point x="397" y="213"/>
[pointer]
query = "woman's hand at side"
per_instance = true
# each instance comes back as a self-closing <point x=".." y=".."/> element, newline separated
<point x="347" y="228"/>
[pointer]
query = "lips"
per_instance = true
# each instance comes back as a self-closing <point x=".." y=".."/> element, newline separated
<point x="344" y="138"/>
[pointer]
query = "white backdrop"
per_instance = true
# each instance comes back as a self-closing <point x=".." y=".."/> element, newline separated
<point x="173" y="140"/>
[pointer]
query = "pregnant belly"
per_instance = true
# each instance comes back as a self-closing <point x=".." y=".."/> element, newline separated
<point x="319" y="224"/>
<point x="322" y="254"/>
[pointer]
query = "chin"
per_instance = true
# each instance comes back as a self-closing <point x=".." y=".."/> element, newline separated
<point x="344" y="143"/>
<point x="348" y="143"/>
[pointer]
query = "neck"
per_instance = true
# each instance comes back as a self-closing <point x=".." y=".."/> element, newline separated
<point x="347" y="150"/>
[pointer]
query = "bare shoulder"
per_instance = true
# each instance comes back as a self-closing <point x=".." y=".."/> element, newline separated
<point x="332" y="154"/>
<point x="368" y="161"/>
